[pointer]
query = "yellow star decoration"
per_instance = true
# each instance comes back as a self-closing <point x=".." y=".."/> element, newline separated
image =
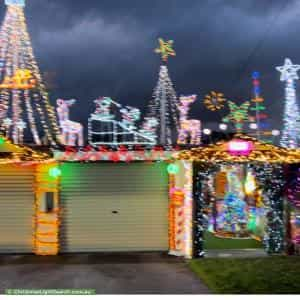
<point x="165" y="49"/>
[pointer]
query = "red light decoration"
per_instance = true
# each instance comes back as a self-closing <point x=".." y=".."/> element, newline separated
<point x="177" y="196"/>
<point x="115" y="157"/>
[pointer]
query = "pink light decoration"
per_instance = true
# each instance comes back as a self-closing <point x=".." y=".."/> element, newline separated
<point x="188" y="128"/>
<point x="295" y="228"/>
<point x="240" y="147"/>
<point x="293" y="192"/>
<point x="71" y="132"/>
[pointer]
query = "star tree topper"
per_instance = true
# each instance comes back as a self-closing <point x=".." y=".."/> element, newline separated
<point x="288" y="70"/>
<point x="165" y="49"/>
<point x="15" y="2"/>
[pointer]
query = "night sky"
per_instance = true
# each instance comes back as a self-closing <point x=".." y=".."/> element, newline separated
<point x="97" y="48"/>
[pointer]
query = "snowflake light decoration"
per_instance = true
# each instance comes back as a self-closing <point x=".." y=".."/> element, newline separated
<point x="214" y="101"/>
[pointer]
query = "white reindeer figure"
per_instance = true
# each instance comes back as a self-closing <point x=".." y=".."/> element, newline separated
<point x="188" y="128"/>
<point x="70" y="131"/>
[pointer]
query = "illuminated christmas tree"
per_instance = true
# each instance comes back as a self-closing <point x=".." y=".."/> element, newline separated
<point x="24" y="101"/>
<point x="233" y="218"/>
<point x="291" y="132"/>
<point x="164" y="103"/>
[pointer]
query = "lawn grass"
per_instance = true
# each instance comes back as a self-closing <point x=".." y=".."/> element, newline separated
<point x="268" y="275"/>
<point x="212" y="242"/>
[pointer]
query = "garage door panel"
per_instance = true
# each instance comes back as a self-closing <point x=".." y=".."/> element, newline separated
<point x="114" y="207"/>
<point x="16" y="209"/>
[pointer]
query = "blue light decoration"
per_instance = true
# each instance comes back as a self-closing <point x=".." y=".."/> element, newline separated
<point x="15" y="2"/>
<point x="55" y="172"/>
<point x="233" y="216"/>
<point x="297" y="221"/>
<point x="255" y="75"/>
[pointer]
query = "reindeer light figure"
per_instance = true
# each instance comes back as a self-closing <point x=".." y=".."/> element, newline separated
<point x="71" y="132"/>
<point x="188" y="128"/>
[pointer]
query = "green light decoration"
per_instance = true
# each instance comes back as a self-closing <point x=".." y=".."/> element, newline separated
<point x="165" y="49"/>
<point x="251" y="226"/>
<point x="238" y="115"/>
<point x="2" y="140"/>
<point x="173" y="169"/>
<point x="258" y="108"/>
<point x="55" y="172"/>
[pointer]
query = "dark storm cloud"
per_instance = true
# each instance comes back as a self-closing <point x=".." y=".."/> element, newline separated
<point x="105" y="47"/>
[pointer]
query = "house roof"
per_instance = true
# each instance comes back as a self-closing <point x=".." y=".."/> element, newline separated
<point x="260" y="152"/>
<point x="11" y="153"/>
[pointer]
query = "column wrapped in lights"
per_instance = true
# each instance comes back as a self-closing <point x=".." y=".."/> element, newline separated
<point x="202" y="181"/>
<point x="270" y="178"/>
<point x="188" y="209"/>
<point x="293" y="192"/>
<point x="172" y="238"/>
<point x="21" y="83"/>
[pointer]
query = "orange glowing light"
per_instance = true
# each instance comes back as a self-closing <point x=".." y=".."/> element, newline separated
<point x="22" y="80"/>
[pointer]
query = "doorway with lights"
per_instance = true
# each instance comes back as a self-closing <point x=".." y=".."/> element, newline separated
<point x="237" y="207"/>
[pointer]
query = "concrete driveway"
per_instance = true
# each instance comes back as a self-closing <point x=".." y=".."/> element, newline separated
<point x="107" y="273"/>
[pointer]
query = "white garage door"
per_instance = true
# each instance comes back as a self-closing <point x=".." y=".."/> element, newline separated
<point x="16" y="209"/>
<point x="114" y="207"/>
